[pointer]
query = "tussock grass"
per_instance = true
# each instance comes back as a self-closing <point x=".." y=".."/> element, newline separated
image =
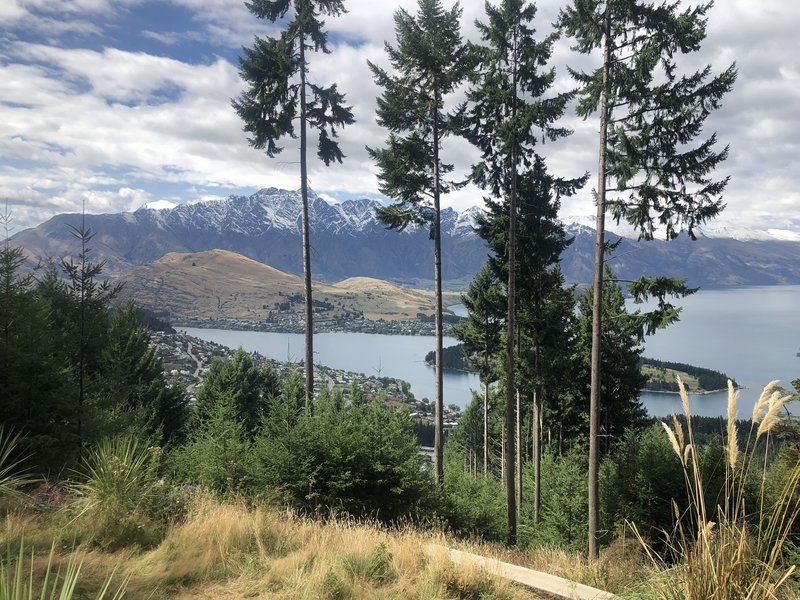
<point x="731" y="550"/>
<point x="233" y="550"/>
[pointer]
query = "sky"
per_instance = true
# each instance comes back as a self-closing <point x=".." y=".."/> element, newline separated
<point x="114" y="104"/>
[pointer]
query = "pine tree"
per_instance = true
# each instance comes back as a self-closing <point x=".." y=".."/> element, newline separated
<point x="89" y="299"/>
<point x="651" y="164"/>
<point x="241" y="383"/>
<point x="507" y="112"/>
<point x="480" y="333"/>
<point x="276" y="71"/>
<point x="132" y="385"/>
<point x="430" y="61"/>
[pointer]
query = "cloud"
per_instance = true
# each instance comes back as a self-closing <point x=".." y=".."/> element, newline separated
<point x="89" y="118"/>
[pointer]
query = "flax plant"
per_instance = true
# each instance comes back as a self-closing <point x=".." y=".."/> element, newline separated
<point x="11" y="479"/>
<point x="18" y="580"/>
<point x="731" y="550"/>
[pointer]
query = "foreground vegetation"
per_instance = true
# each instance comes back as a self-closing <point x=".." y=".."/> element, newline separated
<point x="250" y="492"/>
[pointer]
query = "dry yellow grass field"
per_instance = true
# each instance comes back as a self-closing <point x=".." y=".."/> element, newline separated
<point x="230" y="550"/>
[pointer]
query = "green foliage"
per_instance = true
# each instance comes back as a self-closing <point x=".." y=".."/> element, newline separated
<point x="239" y="382"/>
<point x="620" y="408"/>
<point x="121" y="500"/>
<point x="638" y="484"/>
<point x="218" y="454"/>
<point x="71" y="374"/>
<point x="429" y="62"/>
<point x="360" y="460"/>
<point x="707" y="379"/>
<point x="376" y="568"/>
<point x="272" y="70"/>
<point x="132" y="396"/>
<point x="473" y="506"/>
<point x="564" y="502"/>
<point x="480" y="331"/>
<point x="453" y="358"/>
<point x="507" y="112"/>
<point x="723" y="547"/>
<point x="19" y="580"/>
<point x="333" y="588"/>
<point x="656" y="110"/>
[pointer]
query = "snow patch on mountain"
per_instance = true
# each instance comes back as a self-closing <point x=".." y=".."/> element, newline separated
<point x="160" y="205"/>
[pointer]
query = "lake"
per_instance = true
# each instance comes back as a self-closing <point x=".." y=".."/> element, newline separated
<point x="400" y="356"/>
<point x="752" y="334"/>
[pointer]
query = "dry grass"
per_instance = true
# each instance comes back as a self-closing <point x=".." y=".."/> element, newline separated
<point x="232" y="550"/>
<point x="222" y="284"/>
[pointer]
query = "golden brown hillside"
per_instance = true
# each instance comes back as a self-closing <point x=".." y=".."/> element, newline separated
<point x="219" y="284"/>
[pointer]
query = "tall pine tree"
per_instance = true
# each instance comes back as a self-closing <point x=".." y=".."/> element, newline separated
<point x="276" y="72"/>
<point x="507" y="113"/>
<point x="652" y="169"/>
<point x="429" y="62"/>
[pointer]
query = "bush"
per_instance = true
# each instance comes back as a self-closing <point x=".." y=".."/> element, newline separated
<point x="362" y="460"/>
<point x="638" y="484"/>
<point x="564" y="522"/>
<point x="472" y="506"/>
<point x="122" y="501"/>
<point x="217" y="455"/>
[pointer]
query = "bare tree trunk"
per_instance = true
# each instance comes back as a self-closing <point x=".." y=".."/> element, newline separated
<point x="594" y="397"/>
<point x="511" y="324"/>
<point x="438" y="441"/>
<point x="520" y="447"/>
<point x="485" y="429"/>
<point x="309" y="360"/>
<point x="503" y="454"/>
<point x="536" y="431"/>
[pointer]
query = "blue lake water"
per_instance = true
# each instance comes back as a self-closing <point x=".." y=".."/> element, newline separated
<point x="400" y="356"/>
<point x="752" y="334"/>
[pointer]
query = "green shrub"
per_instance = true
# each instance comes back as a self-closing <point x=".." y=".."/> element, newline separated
<point x="361" y="460"/>
<point x="472" y="505"/>
<point x="563" y="522"/>
<point x="217" y="455"/>
<point x="121" y="501"/>
<point x="333" y="588"/>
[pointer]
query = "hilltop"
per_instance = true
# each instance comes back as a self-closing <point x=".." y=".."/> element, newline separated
<point x="222" y="285"/>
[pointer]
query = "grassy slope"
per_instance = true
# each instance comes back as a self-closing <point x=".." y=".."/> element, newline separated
<point x="656" y="374"/>
<point x="222" y="284"/>
<point x="231" y="551"/>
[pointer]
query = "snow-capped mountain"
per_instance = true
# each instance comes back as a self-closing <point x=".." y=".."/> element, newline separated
<point x="348" y="241"/>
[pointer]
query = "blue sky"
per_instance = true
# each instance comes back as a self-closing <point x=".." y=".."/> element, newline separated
<point x="119" y="103"/>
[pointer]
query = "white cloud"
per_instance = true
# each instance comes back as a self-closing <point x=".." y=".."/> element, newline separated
<point x="109" y="126"/>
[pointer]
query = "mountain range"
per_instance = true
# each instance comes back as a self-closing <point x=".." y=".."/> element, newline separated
<point x="348" y="241"/>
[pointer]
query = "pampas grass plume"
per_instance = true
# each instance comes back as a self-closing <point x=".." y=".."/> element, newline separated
<point x="733" y="446"/>
<point x="763" y="399"/>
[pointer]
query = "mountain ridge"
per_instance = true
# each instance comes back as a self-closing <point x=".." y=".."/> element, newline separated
<point x="348" y="241"/>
